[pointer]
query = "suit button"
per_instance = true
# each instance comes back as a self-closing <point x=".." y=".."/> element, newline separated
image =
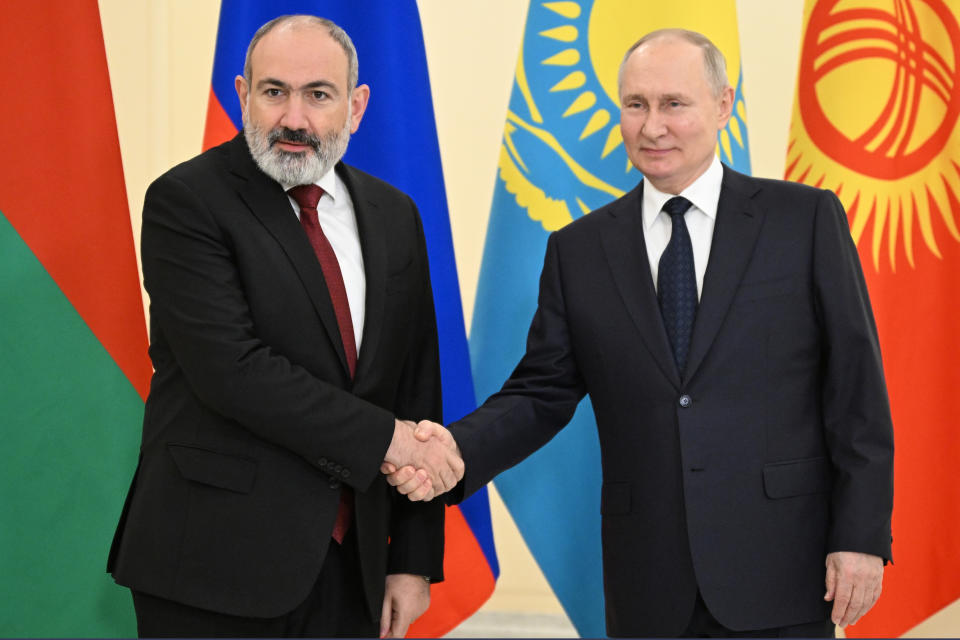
<point x="345" y="473"/>
<point x="337" y="468"/>
<point x="334" y="483"/>
<point x="685" y="401"/>
<point x="322" y="462"/>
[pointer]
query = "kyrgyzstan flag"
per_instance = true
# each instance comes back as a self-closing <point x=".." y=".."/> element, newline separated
<point x="397" y="142"/>
<point x="73" y="344"/>
<point x="876" y="120"/>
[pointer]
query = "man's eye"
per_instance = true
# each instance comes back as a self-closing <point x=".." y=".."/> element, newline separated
<point x="319" y="95"/>
<point x="272" y="92"/>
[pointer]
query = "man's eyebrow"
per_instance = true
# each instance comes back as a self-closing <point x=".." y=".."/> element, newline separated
<point x="316" y="84"/>
<point x="321" y="84"/>
<point x="272" y="81"/>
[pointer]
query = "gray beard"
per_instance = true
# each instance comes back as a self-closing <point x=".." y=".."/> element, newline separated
<point x="296" y="167"/>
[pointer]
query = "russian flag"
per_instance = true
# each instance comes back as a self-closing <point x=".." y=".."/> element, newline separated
<point x="397" y="142"/>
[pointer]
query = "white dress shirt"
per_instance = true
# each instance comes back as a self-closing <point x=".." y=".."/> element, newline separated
<point x="704" y="193"/>
<point x="339" y="224"/>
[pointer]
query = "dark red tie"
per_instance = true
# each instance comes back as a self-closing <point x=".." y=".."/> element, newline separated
<point x="307" y="196"/>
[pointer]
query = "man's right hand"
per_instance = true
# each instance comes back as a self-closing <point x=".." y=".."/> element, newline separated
<point x="417" y="482"/>
<point x="422" y="461"/>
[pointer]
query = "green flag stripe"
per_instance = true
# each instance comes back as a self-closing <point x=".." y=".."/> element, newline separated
<point x="71" y="429"/>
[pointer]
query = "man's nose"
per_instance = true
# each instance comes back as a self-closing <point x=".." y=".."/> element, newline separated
<point x="295" y="115"/>
<point x="653" y="124"/>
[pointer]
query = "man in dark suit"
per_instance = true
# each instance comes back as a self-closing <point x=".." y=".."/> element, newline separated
<point x="288" y="331"/>
<point x="721" y="325"/>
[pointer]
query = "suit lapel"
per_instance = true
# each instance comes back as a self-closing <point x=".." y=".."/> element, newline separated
<point x="626" y="252"/>
<point x="373" y="244"/>
<point x="266" y="199"/>
<point x="735" y="234"/>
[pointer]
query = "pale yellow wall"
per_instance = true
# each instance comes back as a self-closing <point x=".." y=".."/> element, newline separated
<point x="160" y="54"/>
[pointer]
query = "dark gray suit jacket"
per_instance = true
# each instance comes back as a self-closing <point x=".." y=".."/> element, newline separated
<point x="774" y="449"/>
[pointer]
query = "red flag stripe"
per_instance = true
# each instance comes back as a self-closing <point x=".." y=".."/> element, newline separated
<point x="54" y="166"/>
<point x="916" y="318"/>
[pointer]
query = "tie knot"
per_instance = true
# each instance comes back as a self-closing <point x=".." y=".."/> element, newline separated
<point x="306" y="195"/>
<point x="677" y="205"/>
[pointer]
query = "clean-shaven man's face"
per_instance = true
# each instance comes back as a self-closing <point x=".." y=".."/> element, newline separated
<point x="670" y="115"/>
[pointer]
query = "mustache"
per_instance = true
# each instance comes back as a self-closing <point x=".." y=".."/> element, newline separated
<point x="293" y="135"/>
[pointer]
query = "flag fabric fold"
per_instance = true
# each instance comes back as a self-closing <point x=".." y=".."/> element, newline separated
<point x="397" y="142"/>
<point x="875" y="119"/>
<point x="74" y="343"/>
<point x="562" y="156"/>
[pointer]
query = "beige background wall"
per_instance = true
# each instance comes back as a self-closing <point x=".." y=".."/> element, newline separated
<point x="160" y="54"/>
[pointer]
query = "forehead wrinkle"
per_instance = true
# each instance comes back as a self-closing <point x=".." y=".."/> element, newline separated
<point x="277" y="44"/>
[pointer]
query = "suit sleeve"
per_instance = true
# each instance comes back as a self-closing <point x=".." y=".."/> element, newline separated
<point x="856" y="411"/>
<point x="417" y="528"/>
<point x="197" y="301"/>
<point x="537" y="400"/>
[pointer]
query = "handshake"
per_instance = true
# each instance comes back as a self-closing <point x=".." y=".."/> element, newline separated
<point x="423" y="461"/>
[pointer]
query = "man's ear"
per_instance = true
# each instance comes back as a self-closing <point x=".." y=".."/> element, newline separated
<point x="243" y="90"/>
<point x="727" y="98"/>
<point x="358" y="104"/>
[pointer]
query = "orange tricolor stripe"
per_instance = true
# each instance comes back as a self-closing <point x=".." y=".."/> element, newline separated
<point x="467" y="574"/>
<point x="219" y="127"/>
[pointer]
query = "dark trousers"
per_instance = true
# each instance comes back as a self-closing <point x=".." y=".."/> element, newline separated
<point x="336" y="607"/>
<point x="704" y="625"/>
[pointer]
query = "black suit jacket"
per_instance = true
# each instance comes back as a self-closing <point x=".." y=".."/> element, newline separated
<point x="774" y="449"/>
<point x="253" y="424"/>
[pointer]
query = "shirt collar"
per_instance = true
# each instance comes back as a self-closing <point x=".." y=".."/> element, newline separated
<point x="704" y="193"/>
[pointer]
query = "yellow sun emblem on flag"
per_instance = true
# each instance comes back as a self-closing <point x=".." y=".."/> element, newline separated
<point x="876" y="119"/>
<point x="562" y="153"/>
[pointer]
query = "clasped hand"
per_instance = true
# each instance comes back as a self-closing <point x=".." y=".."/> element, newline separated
<point x="423" y="460"/>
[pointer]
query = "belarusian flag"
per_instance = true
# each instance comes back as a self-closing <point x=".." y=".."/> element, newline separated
<point x="73" y="360"/>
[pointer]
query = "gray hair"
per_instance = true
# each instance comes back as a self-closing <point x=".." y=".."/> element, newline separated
<point x="714" y="64"/>
<point x="302" y="20"/>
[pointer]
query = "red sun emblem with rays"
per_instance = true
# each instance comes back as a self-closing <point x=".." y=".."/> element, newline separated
<point x="891" y="146"/>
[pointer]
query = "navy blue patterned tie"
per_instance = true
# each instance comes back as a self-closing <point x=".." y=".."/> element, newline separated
<point x="677" y="283"/>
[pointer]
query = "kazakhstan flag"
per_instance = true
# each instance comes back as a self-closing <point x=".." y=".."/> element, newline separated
<point x="561" y="157"/>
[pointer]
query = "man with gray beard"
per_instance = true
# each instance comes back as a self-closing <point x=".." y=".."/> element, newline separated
<point x="293" y="340"/>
